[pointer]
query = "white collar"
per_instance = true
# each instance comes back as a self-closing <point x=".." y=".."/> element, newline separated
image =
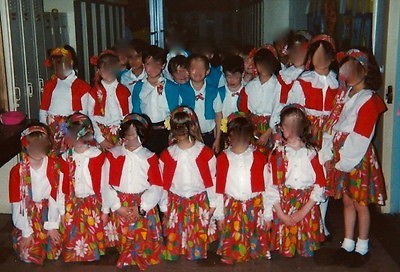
<point x="202" y="90"/>
<point x="290" y="74"/>
<point x="321" y="81"/>
<point x="111" y="85"/>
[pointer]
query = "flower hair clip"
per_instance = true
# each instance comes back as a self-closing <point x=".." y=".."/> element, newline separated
<point x="225" y="121"/>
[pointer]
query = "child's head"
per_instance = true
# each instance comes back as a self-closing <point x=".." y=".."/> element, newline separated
<point x="199" y="67"/>
<point x="121" y="49"/>
<point x="79" y="129"/>
<point x="297" y="49"/>
<point x="135" y="53"/>
<point x="35" y="141"/>
<point x="240" y="129"/>
<point x="248" y="58"/>
<point x="63" y="60"/>
<point x="107" y="66"/>
<point x="154" y="59"/>
<point x="359" y="65"/>
<point x="133" y="126"/>
<point x="321" y="53"/>
<point x="295" y="124"/>
<point x="266" y="62"/>
<point x="233" y="67"/>
<point x="184" y="125"/>
<point x="178" y="68"/>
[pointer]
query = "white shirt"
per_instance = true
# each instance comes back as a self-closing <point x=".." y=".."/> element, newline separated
<point x="199" y="108"/>
<point x="112" y="111"/>
<point x="41" y="189"/>
<point x="229" y="105"/>
<point x="129" y="79"/>
<point x="290" y="74"/>
<point x="187" y="180"/>
<point x="134" y="179"/>
<point x="153" y="104"/>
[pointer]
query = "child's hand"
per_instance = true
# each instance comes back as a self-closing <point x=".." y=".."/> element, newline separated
<point x="220" y="225"/>
<point x="104" y="218"/>
<point x="106" y="144"/>
<point x="216" y="146"/>
<point x="54" y="236"/>
<point x="26" y="242"/>
<point x="298" y="216"/>
<point x="268" y="225"/>
<point x="263" y="140"/>
<point x="287" y="220"/>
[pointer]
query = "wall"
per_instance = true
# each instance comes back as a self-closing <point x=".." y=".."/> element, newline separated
<point x="276" y="19"/>
<point x="297" y="14"/>
<point x="5" y="206"/>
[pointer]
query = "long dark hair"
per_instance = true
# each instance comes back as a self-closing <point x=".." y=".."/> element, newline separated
<point x="329" y="49"/>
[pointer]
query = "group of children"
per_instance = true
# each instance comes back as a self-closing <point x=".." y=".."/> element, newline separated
<point x="245" y="154"/>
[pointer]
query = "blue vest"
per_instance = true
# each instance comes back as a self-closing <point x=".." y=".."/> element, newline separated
<point x="188" y="97"/>
<point x="222" y="93"/>
<point x="214" y="76"/>
<point x="171" y="90"/>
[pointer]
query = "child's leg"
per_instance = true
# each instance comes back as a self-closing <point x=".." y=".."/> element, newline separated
<point x="349" y="213"/>
<point x="363" y="228"/>
<point x="323" y="208"/>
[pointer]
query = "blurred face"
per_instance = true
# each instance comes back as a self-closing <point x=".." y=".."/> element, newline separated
<point x="181" y="75"/>
<point x="320" y="59"/>
<point x="198" y="70"/>
<point x="108" y="71"/>
<point x="352" y="72"/>
<point x="63" y="66"/>
<point x="37" y="147"/>
<point x="249" y="66"/>
<point x="289" y="127"/>
<point x="233" y="80"/>
<point x="297" y="54"/>
<point x="131" y="134"/>
<point x="262" y="69"/>
<point x="153" y="68"/>
<point x="134" y="59"/>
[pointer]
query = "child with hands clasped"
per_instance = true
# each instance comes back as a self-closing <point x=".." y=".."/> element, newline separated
<point x="295" y="186"/>
<point x="134" y="190"/>
<point x="240" y="189"/>
<point x="36" y="201"/>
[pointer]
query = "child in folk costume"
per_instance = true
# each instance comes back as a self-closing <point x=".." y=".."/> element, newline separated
<point x="109" y="101"/>
<point x="240" y="191"/>
<point x="63" y="94"/>
<point x="295" y="186"/>
<point x="86" y="172"/>
<point x="36" y="201"/>
<point x="353" y="168"/>
<point x="178" y="69"/>
<point x="250" y="71"/>
<point x="188" y="171"/>
<point x="261" y="95"/>
<point x="135" y="189"/>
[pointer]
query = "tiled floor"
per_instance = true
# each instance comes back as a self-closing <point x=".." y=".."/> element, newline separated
<point x="385" y="240"/>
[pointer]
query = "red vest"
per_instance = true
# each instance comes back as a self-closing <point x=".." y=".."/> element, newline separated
<point x="52" y="173"/>
<point x="256" y="170"/>
<point x="314" y="99"/>
<point x="202" y="160"/>
<point x="99" y="95"/>
<point x="78" y="89"/>
<point x="243" y="101"/>
<point x="285" y="89"/>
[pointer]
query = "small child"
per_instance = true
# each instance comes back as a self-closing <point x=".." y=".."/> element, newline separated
<point x="197" y="94"/>
<point x="240" y="192"/>
<point x="134" y="191"/>
<point x="37" y="202"/>
<point x="178" y="69"/>
<point x="188" y="203"/>
<point x="295" y="186"/>
<point x="83" y="234"/>
<point x="109" y="101"/>
<point x="63" y="95"/>
<point x="250" y="71"/>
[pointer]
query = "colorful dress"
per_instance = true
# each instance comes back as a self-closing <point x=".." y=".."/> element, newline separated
<point x="188" y="177"/>
<point x="240" y="191"/>
<point x="36" y="207"/>
<point x="135" y="182"/>
<point x="83" y="234"/>
<point x="296" y="176"/>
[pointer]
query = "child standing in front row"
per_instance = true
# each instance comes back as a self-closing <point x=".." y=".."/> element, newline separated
<point x="134" y="190"/>
<point x="83" y="233"/>
<point x="36" y="201"/>
<point x="295" y="186"/>
<point x="240" y="191"/>
<point x="188" y="170"/>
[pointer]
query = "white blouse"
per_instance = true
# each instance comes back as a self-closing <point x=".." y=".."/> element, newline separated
<point x="129" y="79"/>
<point x="230" y="103"/>
<point x="153" y="104"/>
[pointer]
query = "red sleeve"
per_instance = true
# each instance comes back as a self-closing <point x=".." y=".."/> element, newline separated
<point x="64" y="168"/>
<point x="222" y="172"/>
<point x="153" y="173"/>
<point x="368" y="115"/>
<point x="14" y="185"/>
<point x="319" y="172"/>
<point x="243" y="101"/>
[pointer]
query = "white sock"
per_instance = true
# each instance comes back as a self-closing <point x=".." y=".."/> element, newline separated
<point x="362" y="246"/>
<point x="323" y="206"/>
<point x="348" y="244"/>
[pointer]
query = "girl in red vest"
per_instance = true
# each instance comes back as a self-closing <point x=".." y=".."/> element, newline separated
<point x="109" y="101"/>
<point x="63" y="94"/>
<point x="134" y="191"/>
<point x="295" y="186"/>
<point x="36" y="203"/>
<point x="188" y="171"/>
<point x="240" y="189"/>
<point x="85" y="172"/>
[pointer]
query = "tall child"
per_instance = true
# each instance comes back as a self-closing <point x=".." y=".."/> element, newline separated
<point x="240" y="191"/>
<point x="295" y="186"/>
<point x="37" y="202"/>
<point x="188" y="171"/>
<point x="109" y="101"/>
<point x="63" y="94"/>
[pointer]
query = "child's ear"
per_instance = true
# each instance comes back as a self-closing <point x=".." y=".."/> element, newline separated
<point x="208" y="71"/>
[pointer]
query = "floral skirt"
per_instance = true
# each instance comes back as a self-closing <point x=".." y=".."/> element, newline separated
<point x="261" y="124"/>
<point x="364" y="184"/>
<point x="58" y="127"/>
<point x="140" y="243"/>
<point x="304" y="237"/>
<point x="244" y="235"/>
<point x="42" y="247"/>
<point x="83" y="233"/>
<point x="110" y="133"/>
<point x="317" y="125"/>
<point x="187" y="227"/>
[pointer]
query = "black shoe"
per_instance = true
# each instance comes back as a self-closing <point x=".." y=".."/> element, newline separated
<point x="357" y="260"/>
<point x="331" y="256"/>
